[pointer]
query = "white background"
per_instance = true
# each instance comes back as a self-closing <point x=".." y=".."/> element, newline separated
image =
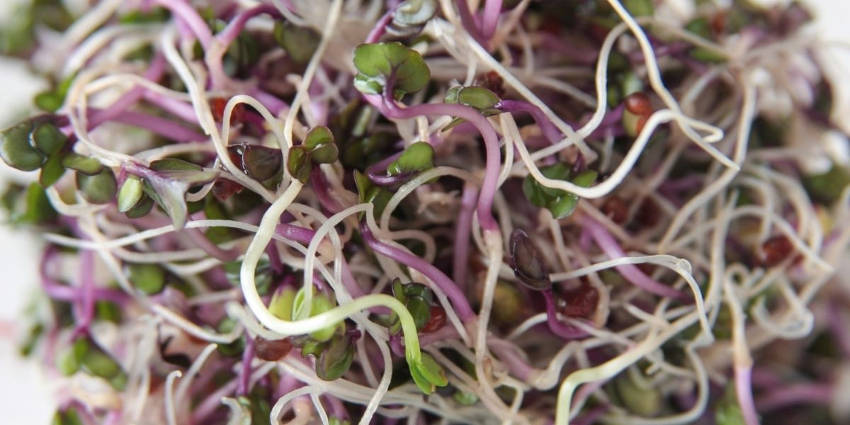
<point x="24" y="393"/>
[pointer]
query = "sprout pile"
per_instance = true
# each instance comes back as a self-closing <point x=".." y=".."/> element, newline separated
<point x="422" y="211"/>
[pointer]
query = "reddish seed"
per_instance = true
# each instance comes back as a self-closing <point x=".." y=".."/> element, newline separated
<point x="775" y="250"/>
<point x="579" y="302"/>
<point x="437" y="320"/>
<point x="615" y="208"/>
<point x="272" y="350"/>
<point x="718" y="23"/>
<point x="648" y="213"/>
<point x="493" y="82"/>
<point x="224" y="189"/>
<point x="217" y="105"/>
<point x="638" y="104"/>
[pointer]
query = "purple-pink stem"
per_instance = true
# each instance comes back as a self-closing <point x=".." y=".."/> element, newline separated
<point x="322" y="191"/>
<point x="85" y="313"/>
<point x="155" y="124"/>
<point x="380" y="27"/>
<point x="629" y="271"/>
<point x="460" y="257"/>
<point x="469" y="22"/>
<point x="185" y="13"/>
<point x="153" y="73"/>
<point x="786" y="396"/>
<point x="61" y="292"/>
<point x="491" y="146"/>
<point x="213" y="57"/>
<point x="507" y="353"/>
<point x="377" y="172"/>
<point x="454" y="294"/>
<point x="556" y="326"/>
<point x="175" y="107"/>
<point x="245" y="371"/>
<point x="838" y="328"/>
<point x="490" y="18"/>
<point x="590" y="417"/>
<point x="549" y="130"/>
<point x="337" y="409"/>
<point x="744" y="393"/>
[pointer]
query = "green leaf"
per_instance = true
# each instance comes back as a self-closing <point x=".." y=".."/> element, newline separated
<point x="38" y="207"/>
<point x="325" y="154"/>
<point x="465" y="398"/>
<point x="414" y="13"/>
<point x="108" y="311"/>
<point x="82" y="164"/>
<point x="15" y="148"/>
<point x="699" y="26"/>
<point x="639" y="7"/>
<point x="299" y="42"/>
<point x="299" y="163"/>
<point x="336" y="359"/>
<point x="416" y="158"/>
<point x="377" y="63"/>
<point x="827" y="187"/>
<point x="642" y="401"/>
<point x="318" y="136"/>
<point x="48" y="139"/>
<point x="148" y="278"/>
<point x="420" y="310"/>
<point x="281" y="303"/>
<point x="378" y="196"/>
<point x="477" y="97"/>
<point x="703" y="54"/>
<point x="428" y="374"/>
<point x="236" y="347"/>
<point x="141" y="209"/>
<point x="183" y="171"/>
<point x="560" y="203"/>
<point x="51" y="171"/>
<point x="130" y="194"/>
<point x="727" y="410"/>
<point x="68" y="416"/>
<point x="99" y="188"/>
<point x="262" y="275"/>
<point x="261" y="163"/>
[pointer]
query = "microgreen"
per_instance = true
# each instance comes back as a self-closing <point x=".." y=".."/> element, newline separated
<point x="416" y="158"/>
<point x="560" y="203"/>
<point x="381" y="63"/>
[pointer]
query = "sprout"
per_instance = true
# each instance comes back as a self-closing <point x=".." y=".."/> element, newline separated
<point x="99" y="188"/>
<point x="148" y="278"/>
<point x="416" y="158"/>
<point x="299" y="42"/>
<point x="130" y="194"/>
<point x="560" y="203"/>
<point x="379" y="64"/>
<point x="526" y="262"/>
<point x="336" y="358"/>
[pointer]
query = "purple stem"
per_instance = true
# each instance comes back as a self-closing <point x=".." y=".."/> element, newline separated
<point x="274" y="105"/>
<point x="491" y="146"/>
<point x="158" y="125"/>
<point x="189" y="16"/>
<point x="337" y="409"/>
<point x="508" y="355"/>
<point x="320" y="187"/>
<point x="380" y="27"/>
<point x="549" y="130"/>
<point x="744" y="392"/>
<point x="179" y="109"/>
<point x="245" y="372"/>
<point x="629" y="271"/>
<point x="58" y="291"/>
<point x="838" y="328"/>
<point x="154" y="72"/>
<point x="458" y="299"/>
<point x="556" y="326"/>
<point x="274" y="258"/>
<point x="460" y="260"/>
<point x="232" y="30"/>
<point x="377" y="172"/>
<point x="469" y="22"/>
<point x="87" y="292"/>
<point x="490" y="19"/>
<point x="590" y="417"/>
<point x="795" y="394"/>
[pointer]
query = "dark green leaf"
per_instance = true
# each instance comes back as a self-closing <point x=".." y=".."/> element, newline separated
<point x="299" y="164"/>
<point x="299" y="42"/>
<point x="379" y="62"/>
<point x="51" y="171"/>
<point x="141" y="209"/>
<point x="335" y="359"/>
<point x="38" y="208"/>
<point x="639" y="7"/>
<point x="48" y="139"/>
<point x="325" y="154"/>
<point x="262" y="278"/>
<point x="317" y="136"/>
<point x="477" y="97"/>
<point x="416" y="158"/>
<point x="148" y="278"/>
<point x="68" y="416"/>
<point x="420" y="310"/>
<point x="261" y="163"/>
<point x="99" y="188"/>
<point x="82" y="164"/>
<point x="15" y="148"/>
<point x="108" y="311"/>
<point x="827" y="187"/>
